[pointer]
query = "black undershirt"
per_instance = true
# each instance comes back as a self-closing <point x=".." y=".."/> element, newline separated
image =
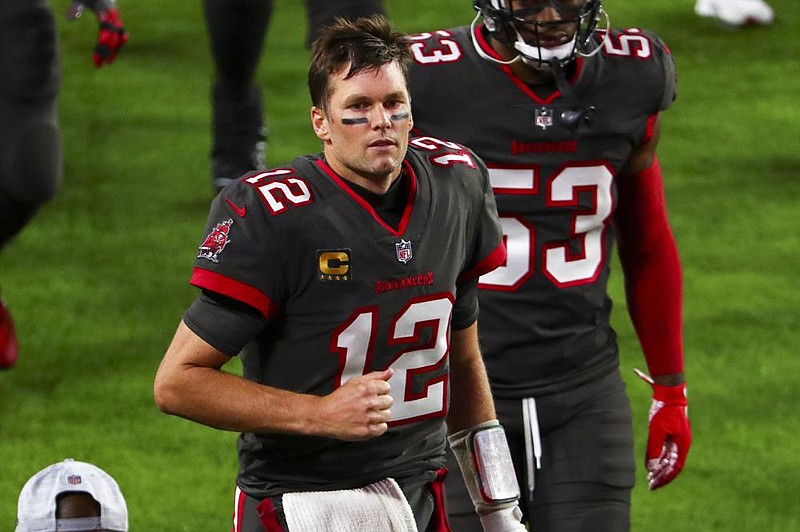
<point x="391" y="204"/>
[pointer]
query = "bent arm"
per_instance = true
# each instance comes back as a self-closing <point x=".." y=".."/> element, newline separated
<point x="651" y="265"/>
<point x="190" y="383"/>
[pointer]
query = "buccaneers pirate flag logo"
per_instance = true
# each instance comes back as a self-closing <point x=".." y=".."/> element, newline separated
<point x="215" y="242"/>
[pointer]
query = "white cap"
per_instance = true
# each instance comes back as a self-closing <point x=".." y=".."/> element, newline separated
<point x="36" y="510"/>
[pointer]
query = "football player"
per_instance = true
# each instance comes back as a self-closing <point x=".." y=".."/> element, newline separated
<point x="236" y="30"/>
<point x="30" y="142"/>
<point x="347" y="283"/>
<point x="565" y="112"/>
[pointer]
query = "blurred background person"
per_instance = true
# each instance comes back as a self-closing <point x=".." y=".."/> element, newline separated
<point x="236" y="31"/>
<point x="30" y="142"/>
<point x="736" y="13"/>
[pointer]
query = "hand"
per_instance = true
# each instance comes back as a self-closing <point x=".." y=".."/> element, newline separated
<point x="670" y="434"/>
<point x="504" y="520"/>
<point x="112" y="35"/>
<point x="358" y="409"/>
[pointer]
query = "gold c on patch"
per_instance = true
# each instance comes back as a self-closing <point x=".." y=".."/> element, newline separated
<point x="334" y="264"/>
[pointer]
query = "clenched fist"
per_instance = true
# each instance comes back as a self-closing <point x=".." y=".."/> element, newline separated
<point x="359" y="409"/>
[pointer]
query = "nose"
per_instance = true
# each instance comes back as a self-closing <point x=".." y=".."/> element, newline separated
<point x="380" y="118"/>
<point x="548" y="14"/>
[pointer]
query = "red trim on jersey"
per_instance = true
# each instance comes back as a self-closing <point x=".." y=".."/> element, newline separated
<point x="439" y="522"/>
<point x="232" y="288"/>
<point x="524" y="87"/>
<point x="490" y="262"/>
<point x="412" y="194"/>
<point x="649" y="258"/>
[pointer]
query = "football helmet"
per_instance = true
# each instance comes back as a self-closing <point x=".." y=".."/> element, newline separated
<point x="538" y="42"/>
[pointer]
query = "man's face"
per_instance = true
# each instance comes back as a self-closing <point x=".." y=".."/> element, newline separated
<point x="366" y="125"/>
<point x="538" y="21"/>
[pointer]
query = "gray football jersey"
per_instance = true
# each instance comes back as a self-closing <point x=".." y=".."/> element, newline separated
<point x="346" y="294"/>
<point x="553" y="159"/>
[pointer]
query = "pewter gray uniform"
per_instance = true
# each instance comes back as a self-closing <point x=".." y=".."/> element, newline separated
<point x="30" y="144"/>
<point x="553" y="158"/>
<point x="341" y="292"/>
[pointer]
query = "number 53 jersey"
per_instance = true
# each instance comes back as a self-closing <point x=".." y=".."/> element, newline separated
<point x="554" y="155"/>
<point x="345" y="293"/>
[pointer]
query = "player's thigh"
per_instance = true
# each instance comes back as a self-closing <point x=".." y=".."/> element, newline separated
<point x="30" y="145"/>
<point x="460" y="510"/>
<point x="588" y="468"/>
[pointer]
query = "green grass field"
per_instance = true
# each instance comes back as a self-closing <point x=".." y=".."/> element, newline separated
<point x="98" y="281"/>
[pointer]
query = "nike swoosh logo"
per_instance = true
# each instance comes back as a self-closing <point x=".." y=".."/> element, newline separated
<point x="240" y="211"/>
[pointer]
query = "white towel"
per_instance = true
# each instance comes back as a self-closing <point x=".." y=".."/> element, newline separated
<point x="378" y="507"/>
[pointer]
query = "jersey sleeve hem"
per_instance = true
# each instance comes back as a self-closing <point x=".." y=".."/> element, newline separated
<point x="215" y="282"/>
<point x="489" y="263"/>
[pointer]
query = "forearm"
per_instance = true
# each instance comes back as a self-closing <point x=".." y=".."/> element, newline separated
<point x="470" y="395"/>
<point x="207" y="395"/>
<point x="649" y="258"/>
<point x="228" y="402"/>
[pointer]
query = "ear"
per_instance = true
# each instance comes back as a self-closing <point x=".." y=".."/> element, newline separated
<point x="320" y="123"/>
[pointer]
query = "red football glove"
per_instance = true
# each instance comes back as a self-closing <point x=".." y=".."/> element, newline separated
<point x="112" y="35"/>
<point x="670" y="435"/>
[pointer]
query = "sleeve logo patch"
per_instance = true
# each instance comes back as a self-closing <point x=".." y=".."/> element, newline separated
<point x="216" y="241"/>
<point x="334" y="264"/>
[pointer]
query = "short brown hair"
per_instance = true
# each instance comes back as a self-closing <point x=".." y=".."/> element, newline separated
<point x="366" y="43"/>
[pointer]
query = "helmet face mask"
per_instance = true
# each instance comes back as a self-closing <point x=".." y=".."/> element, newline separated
<point x="537" y="42"/>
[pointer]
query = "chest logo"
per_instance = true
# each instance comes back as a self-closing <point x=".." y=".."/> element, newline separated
<point x="334" y="264"/>
<point x="403" y="251"/>
<point x="216" y="241"/>
<point x="544" y="117"/>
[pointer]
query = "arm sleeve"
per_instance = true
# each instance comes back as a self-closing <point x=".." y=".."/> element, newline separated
<point x="465" y="310"/>
<point x="223" y="322"/>
<point x="653" y="279"/>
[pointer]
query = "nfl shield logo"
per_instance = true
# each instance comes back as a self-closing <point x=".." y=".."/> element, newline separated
<point x="74" y="480"/>
<point x="403" y="249"/>
<point x="544" y="117"/>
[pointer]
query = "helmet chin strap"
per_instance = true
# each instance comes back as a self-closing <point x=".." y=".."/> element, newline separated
<point x="537" y="56"/>
<point x="480" y="51"/>
<point x="605" y="29"/>
<point x="534" y="56"/>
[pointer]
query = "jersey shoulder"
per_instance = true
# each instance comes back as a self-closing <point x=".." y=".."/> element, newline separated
<point x="273" y="196"/>
<point x="639" y="58"/>
<point x="445" y="161"/>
